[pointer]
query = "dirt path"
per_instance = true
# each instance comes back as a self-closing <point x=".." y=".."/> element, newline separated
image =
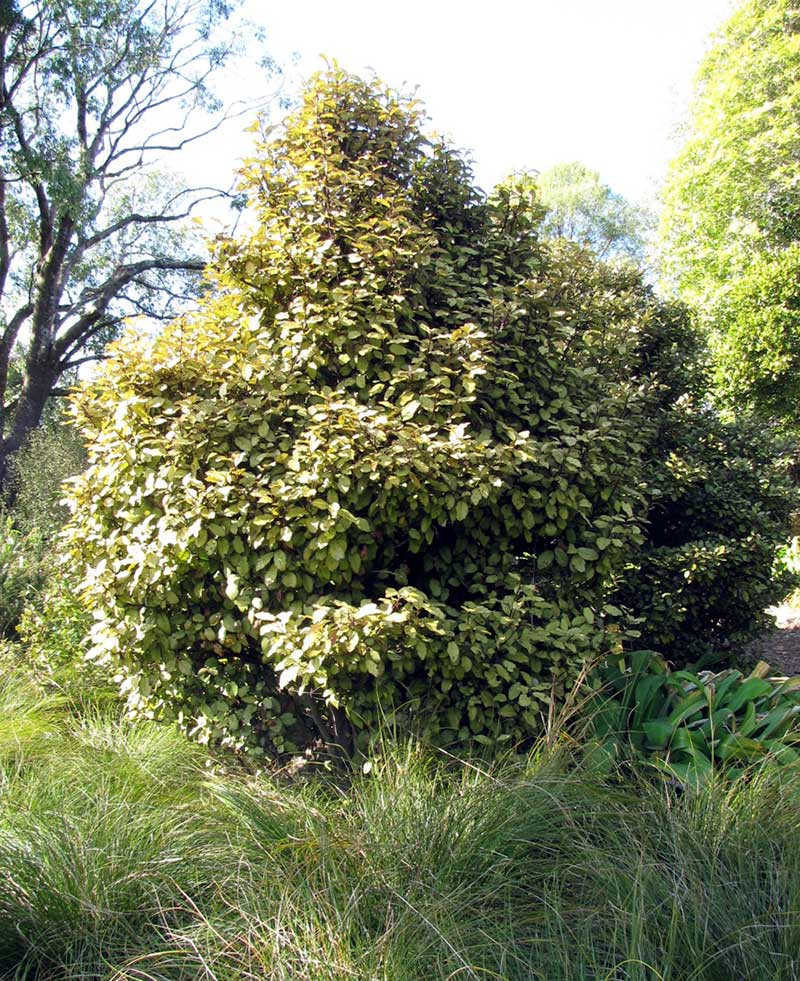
<point x="781" y="648"/>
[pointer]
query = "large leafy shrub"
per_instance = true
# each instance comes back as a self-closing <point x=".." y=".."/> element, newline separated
<point x="396" y="462"/>
<point x="382" y="461"/>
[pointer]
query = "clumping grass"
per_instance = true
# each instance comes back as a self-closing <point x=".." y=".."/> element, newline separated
<point x="124" y="855"/>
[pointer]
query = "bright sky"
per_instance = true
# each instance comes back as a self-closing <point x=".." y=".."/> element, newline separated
<point x="520" y="85"/>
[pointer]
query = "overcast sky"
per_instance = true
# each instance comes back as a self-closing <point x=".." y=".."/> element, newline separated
<point x="520" y="85"/>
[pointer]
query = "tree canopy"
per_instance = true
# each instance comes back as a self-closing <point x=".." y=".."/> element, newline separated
<point x="731" y="220"/>
<point x="93" y="94"/>
<point x="581" y="208"/>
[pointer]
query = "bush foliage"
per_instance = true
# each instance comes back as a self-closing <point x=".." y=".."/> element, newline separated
<point x="30" y="568"/>
<point x="51" y="455"/>
<point x="401" y="459"/>
<point x="720" y="508"/>
<point x="24" y="569"/>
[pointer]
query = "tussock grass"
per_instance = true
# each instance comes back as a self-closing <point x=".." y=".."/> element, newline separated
<point x="123" y="855"/>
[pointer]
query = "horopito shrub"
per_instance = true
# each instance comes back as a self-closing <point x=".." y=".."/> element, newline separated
<point x="392" y="464"/>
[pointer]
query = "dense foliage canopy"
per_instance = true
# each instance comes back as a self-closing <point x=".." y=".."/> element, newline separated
<point x="402" y="460"/>
<point x="731" y="226"/>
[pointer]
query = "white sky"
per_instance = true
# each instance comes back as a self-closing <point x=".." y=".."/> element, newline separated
<point x="520" y="85"/>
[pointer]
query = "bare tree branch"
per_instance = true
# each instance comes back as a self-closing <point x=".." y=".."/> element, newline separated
<point x="164" y="218"/>
<point x="112" y="288"/>
<point x="77" y="362"/>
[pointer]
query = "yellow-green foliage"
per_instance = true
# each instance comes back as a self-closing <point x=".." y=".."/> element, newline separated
<point x="730" y="228"/>
<point x="392" y="463"/>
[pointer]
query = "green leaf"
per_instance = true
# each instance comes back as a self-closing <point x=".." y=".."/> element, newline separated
<point x="366" y="610"/>
<point x="409" y="409"/>
<point x="659" y="732"/>
<point x="749" y="690"/>
<point x="288" y="675"/>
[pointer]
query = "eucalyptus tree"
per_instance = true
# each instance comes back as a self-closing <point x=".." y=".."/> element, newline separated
<point x="93" y="95"/>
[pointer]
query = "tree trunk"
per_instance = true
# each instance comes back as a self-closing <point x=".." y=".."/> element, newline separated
<point x="40" y="379"/>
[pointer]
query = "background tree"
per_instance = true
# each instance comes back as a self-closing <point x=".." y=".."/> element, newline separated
<point x="731" y="219"/>
<point x="581" y="208"/>
<point x="92" y="94"/>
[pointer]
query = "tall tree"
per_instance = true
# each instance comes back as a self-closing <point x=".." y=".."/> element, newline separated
<point x="580" y="207"/>
<point x="731" y="220"/>
<point x="93" y="93"/>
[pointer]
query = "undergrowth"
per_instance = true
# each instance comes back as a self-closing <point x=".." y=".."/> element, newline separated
<point x="126" y="854"/>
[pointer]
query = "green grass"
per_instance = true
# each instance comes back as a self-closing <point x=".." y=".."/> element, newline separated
<point x="123" y="855"/>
